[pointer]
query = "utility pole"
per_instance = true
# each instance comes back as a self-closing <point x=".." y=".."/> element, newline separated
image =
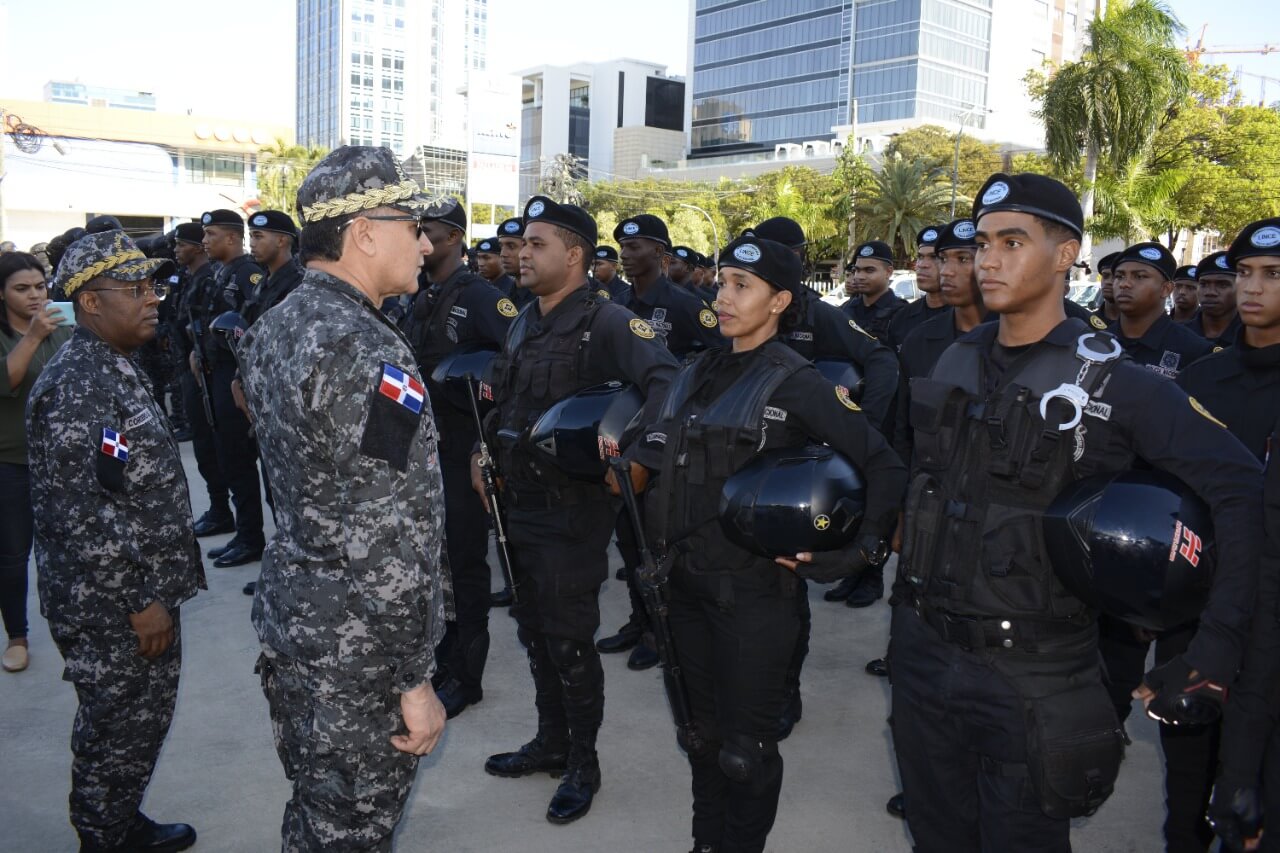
<point x="955" y="166"/>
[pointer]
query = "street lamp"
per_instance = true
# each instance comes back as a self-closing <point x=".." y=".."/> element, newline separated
<point x="955" y="167"/>
<point x="715" y="234"/>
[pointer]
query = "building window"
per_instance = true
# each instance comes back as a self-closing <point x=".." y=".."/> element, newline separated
<point x="214" y="169"/>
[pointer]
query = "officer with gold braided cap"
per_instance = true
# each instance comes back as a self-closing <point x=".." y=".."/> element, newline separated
<point x="351" y="601"/>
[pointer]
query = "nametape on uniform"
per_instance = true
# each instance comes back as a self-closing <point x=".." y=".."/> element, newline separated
<point x="402" y="388"/>
<point x="135" y="421"/>
<point x="656" y="438"/>
<point x="458" y="311"/>
<point x="773" y="413"/>
<point x="115" y="445"/>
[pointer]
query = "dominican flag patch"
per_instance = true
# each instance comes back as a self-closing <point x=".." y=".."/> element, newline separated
<point x="402" y="388"/>
<point x="115" y="445"/>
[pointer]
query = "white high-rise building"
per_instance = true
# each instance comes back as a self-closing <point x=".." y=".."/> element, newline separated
<point x="388" y="72"/>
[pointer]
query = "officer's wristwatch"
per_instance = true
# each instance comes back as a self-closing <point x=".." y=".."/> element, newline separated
<point x="874" y="550"/>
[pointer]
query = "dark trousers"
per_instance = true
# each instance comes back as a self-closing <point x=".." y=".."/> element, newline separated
<point x="734" y="638"/>
<point x="15" y="546"/>
<point x="465" y="647"/>
<point x="238" y="457"/>
<point x="805" y="616"/>
<point x="126" y="705"/>
<point x="959" y="733"/>
<point x="204" y="445"/>
<point x="332" y="733"/>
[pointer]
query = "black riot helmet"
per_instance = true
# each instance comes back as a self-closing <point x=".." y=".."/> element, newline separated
<point x="844" y="373"/>
<point x="464" y="372"/>
<point x="1137" y="545"/>
<point x="793" y="499"/>
<point x="578" y="434"/>
<point x="228" y="328"/>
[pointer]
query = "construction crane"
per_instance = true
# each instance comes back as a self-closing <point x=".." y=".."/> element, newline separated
<point x="1194" y="53"/>
<point x="1262" y="101"/>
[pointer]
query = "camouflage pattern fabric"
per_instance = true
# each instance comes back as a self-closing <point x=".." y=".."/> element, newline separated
<point x="113" y="533"/>
<point x="352" y="598"/>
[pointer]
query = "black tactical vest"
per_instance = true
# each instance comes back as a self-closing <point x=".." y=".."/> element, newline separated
<point x="989" y="460"/>
<point x="710" y="442"/>
<point x="532" y="374"/>
<point x="430" y="313"/>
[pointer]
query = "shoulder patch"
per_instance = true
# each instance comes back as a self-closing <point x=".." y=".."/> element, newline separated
<point x="706" y="318"/>
<point x="857" y="328"/>
<point x="1196" y="404"/>
<point x="255" y="278"/>
<point x="507" y="308"/>
<point x="1096" y="322"/>
<point x="604" y="294"/>
<point x="842" y="394"/>
<point x="641" y="329"/>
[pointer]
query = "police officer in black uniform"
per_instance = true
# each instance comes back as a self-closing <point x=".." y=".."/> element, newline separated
<point x="456" y="308"/>
<point x="510" y="240"/>
<point x="931" y="304"/>
<point x="236" y="280"/>
<point x="733" y="614"/>
<point x="1217" y="320"/>
<point x="604" y="272"/>
<point x="488" y="256"/>
<point x="681" y="261"/>
<point x="1002" y="727"/>
<point x="273" y="239"/>
<point x="1106" y="312"/>
<point x="1240" y="386"/>
<point x="1142" y="280"/>
<point x="1186" y="294"/>
<point x="686" y="326"/>
<point x="192" y="317"/>
<point x="873" y="304"/>
<point x="569" y="340"/>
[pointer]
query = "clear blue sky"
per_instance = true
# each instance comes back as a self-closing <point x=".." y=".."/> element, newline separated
<point x="235" y="58"/>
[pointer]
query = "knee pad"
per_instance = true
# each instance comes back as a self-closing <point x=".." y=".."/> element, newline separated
<point x="745" y="759"/>
<point x="567" y="654"/>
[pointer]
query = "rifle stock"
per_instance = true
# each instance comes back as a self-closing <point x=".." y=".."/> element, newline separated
<point x="202" y="369"/>
<point x="489" y="473"/>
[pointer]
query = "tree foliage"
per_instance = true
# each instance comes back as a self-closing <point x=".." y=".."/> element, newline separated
<point x="936" y="147"/>
<point x="281" y="168"/>
<point x="902" y="198"/>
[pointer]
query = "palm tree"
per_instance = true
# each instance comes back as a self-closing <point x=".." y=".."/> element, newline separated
<point x="904" y="197"/>
<point x="281" y="168"/>
<point x="1110" y="102"/>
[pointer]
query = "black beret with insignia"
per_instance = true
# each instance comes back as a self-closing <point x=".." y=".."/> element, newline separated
<point x="1153" y="255"/>
<point x="570" y="216"/>
<point x="876" y="250"/>
<point x="684" y="253"/>
<point x="273" y="220"/>
<point x="606" y="253"/>
<point x="644" y="225"/>
<point x="1108" y="262"/>
<point x="489" y="246"/>
<point x="225" y="217"/>
<point x="773" y="262"/>
<point x="513" y="228"/>
<point x="707" y="262"/>
<point x="1185" y="273"/>
<point x="781" y="229"/>
<point x="956" y="235"/>
<point x="189" y="232"/>
<point x="1218" y="263"/>
<point x="1257" y="238"/>
<point x="1038" y="195"/>
<point x="928" y="235"/>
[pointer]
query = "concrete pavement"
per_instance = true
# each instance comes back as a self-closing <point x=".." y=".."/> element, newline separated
<point x="219" y="769"/>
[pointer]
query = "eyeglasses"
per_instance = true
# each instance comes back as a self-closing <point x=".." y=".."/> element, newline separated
<point x="142" y="289"/>
<point x="413" y="219"/>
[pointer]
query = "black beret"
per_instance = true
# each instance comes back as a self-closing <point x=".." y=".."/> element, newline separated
<point x="928" y="235"/>
<point x="956" y="235"/>
<point x="101" y="224"/>
<point x="570" y="216"/>
<point x="453" y="213"/>
<point x="1108" y="262"/>
<point x="1153" y="255"/>
<point x="189" y="232"/>
<point x="489" y="246"/>
<point x="781" y="229"/>
<point x="1219" y="263"/>
<point x="644" y="225"/>
<point x="513" y="228"/>
<point x="222" y="217"/>
<point x="684" y="253"/>
<point x="1185" y="272"/>
<point x="606" y="253"/>
<point x="1257" y="238"/>
<point x="273" y="220"/>
<point x="877" y="249"/>
<point x="707" y="262"/>
<point x="1030" y="193"/>
<point x="773" y="262"/>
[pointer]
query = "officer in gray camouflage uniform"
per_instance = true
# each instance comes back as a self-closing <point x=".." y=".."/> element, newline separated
<point x="351" y="601"/>
<point x="116" y="554"/>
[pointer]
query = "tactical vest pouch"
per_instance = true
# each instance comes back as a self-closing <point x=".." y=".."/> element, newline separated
<point x="1074" y="747"/>
<point x="937" y="416"/>
<point x="924" y="504"/>
<point x="1012" y="551"/>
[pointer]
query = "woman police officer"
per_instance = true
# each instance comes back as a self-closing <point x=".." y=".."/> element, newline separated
<point x="732" y="613"/>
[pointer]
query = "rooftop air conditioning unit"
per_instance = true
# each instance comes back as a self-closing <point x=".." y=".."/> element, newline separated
<point x="787" y="151"/>
<point x="817" y="148"/>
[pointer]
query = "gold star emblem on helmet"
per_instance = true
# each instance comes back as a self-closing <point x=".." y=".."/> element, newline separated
<point x="822" y="522"/>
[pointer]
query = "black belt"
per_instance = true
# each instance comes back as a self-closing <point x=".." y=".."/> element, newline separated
<point x="986" y="632"/>
<point x="536" y="498"/>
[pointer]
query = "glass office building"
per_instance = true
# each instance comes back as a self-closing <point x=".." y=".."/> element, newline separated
<point x="783" y="71"/>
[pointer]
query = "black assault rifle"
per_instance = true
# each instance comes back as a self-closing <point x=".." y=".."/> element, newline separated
<point x="489" y="473"/>
<point x="202" y="368"/>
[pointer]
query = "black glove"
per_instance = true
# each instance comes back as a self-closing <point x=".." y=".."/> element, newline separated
<point x="1181" y="700"/>
<point x="1235" y="813"/>
<point x="831" y="566"/>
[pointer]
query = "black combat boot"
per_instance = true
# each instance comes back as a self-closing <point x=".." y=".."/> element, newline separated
<point x="578" y="786"/>
<point x="869" y="589"/>
<point x="548" y="752"/>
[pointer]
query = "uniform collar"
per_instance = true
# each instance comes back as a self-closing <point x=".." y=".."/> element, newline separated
<point x="652" y="295"/>
<point x="1152" y="339"/>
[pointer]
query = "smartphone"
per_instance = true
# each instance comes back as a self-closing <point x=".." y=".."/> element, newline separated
<point x="68" y="313"/>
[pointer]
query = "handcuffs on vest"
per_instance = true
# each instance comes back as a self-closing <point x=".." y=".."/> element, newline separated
<point x="1076" y="396"/>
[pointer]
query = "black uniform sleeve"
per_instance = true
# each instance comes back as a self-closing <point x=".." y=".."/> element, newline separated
<point x="825" y="414"/>
<point x="1179" y="436"/>
<point x="878" y="362"/>
<point x="243" y="283"/>
<point x="625" y="347"/>
<point x="490" y="312"/>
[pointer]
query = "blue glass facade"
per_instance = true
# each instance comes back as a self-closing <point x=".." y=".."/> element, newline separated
<point x="319" y="107"/>
<point x="773" y="71"/>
